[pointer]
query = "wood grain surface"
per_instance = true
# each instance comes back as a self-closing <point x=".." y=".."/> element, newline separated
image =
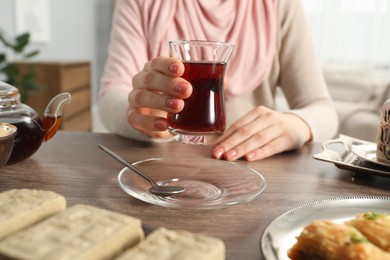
<point x="73" y="165"/>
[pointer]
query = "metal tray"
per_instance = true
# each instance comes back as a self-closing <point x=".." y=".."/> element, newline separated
<point x="339" y="151"/>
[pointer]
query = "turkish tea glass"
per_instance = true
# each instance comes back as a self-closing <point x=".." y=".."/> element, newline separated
<point x="203" y="118"/>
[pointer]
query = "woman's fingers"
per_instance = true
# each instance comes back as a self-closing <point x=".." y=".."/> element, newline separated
<point x="160" y="86"/>
<point x="142" y="98"/>
<point x="259" y="140"/>
<point x="259" y="134"/>
<point x="168" y="66"/>
<point x="157" y="81"/>
<point x="149" y="121"/>
<point x="275" y="146"/>
<point x="157" y="90"/>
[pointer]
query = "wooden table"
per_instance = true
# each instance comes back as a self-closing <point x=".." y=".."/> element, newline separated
<point x="73" y="165"/>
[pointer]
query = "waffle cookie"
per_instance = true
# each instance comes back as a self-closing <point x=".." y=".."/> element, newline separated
<point x="20" y="208"/>
<point x="79" y="232"/>
<point x="164" y="244"/>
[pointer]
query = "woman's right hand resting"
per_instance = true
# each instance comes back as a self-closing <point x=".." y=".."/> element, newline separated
<point x="157" y="90"/>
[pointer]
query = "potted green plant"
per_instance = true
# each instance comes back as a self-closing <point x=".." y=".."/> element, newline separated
<point x="24" y="81"/>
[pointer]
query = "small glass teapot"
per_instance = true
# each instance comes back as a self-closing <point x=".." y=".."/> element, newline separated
<point x="32" y="131"/>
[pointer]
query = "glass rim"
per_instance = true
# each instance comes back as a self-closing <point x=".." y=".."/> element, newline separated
<point x="202" y="43"/>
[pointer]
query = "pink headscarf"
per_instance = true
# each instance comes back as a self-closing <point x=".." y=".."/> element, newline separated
<point x="250" y="24"/>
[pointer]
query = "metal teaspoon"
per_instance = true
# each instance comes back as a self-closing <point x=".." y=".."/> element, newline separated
<point x="164" y="191"/>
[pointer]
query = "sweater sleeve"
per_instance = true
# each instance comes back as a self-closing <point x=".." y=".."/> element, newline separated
<point x="135" y="31"/>
<point x="301" y="77"/>
<point x="126" y="57"/>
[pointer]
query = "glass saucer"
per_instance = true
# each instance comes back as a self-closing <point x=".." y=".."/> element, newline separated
<point x="209" y="183"/>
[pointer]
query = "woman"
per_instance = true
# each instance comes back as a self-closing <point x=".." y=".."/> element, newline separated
<point x="273" y="49"/>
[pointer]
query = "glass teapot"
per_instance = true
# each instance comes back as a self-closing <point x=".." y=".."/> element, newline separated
<point x="32" y="131"/>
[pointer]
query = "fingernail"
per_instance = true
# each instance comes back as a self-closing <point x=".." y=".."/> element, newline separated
<point x="161" y="124"/>
<point x="229" y="155"/>
<point x="182" y="88"/>
<point x="173" y="103"/>
<point x="174" y="67"/>
<point x="250" y="156"/>
<point x="218" y="153"/>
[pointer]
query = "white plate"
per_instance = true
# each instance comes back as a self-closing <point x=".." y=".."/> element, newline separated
<point x="280" y="234"/>
<point x="368" y="153"/>
<point x="209" y="183"/>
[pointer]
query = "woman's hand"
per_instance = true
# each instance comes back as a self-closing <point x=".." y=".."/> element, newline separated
<point x="157" y="90"/>
<point x="261" y="133"/>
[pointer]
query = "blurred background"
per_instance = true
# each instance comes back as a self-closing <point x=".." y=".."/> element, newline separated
<point x="352" y="39"/>
<point x="351" y="31"/>
<point x="72" y="38"/>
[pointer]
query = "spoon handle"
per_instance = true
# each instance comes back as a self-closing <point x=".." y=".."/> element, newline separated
<point x="126" y="163"/>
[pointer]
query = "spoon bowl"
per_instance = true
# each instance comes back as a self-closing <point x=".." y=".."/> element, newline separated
<point x="166" y="191"/>
<point x="163" y="191"/>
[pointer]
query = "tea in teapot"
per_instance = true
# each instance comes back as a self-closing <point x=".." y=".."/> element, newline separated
<point x="31" y="129"/>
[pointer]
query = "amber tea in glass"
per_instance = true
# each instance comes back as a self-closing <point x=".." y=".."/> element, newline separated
<point x="203" y="118"/>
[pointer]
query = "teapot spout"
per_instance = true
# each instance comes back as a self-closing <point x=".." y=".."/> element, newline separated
<point x="53" y="114"/>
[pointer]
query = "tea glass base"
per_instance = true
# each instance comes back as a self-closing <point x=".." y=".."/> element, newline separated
<point x="202" y="138"/>
<point x="196" y="139"/>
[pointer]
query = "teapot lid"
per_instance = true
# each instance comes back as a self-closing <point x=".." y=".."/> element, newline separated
<point x="9" y="95"/>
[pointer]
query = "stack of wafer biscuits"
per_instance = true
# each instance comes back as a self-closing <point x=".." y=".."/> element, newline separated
<point x="35" y="224"/>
